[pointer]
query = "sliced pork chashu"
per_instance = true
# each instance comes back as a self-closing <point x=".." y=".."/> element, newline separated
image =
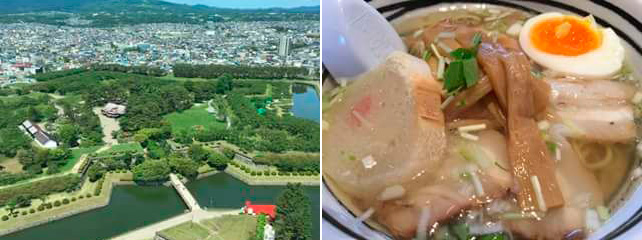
<point x="386" y="128"/>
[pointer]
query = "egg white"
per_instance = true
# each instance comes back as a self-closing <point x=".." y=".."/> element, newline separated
<point x="602" y="62"/>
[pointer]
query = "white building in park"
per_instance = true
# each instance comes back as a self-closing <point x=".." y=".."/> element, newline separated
<point x="40" y="136"/>
<point x="268" y="232"/>
<point x="113" y="110"/>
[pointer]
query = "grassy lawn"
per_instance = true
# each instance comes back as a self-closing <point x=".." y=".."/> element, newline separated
<point x="75" y="156"/>
<point x="187" y="231"/>
<point x="123" y="147"/>
<point x="172" y="77"/>
<point x="197" y="115"/>
<point x="11" y="165"/>
<point x="205" y="168"/>
<point x="268" y="90"/>
<point x="71" y="99"/>
<point x="232" y="227"/>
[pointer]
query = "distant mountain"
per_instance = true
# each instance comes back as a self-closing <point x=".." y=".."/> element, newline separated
<point x="117" y="6"/>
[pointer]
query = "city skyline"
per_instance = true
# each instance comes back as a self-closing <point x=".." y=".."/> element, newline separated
<point x="249" y="4"/>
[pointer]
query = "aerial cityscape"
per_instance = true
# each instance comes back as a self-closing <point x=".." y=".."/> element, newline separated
<point x="27" y="48"/>
<point x="146" y="119"/>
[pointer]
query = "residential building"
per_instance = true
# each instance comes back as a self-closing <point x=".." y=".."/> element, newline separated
<point x="284" y="45"/>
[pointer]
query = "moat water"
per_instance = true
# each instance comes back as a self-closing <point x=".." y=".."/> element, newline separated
<point x="132" y="207"/>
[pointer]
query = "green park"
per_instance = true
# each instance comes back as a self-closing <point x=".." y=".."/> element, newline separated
<point x="111" y="137"/>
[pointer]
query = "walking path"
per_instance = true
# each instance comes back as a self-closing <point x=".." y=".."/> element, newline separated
<point x="109" y="125"/>
<point x="79" y="163"/>
<point x="149" y="231"/>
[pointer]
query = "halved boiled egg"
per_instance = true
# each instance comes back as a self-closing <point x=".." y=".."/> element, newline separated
<point x="572" y="45"/>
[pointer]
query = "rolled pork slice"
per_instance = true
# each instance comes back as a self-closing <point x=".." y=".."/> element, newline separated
<point x="385" y="129"/>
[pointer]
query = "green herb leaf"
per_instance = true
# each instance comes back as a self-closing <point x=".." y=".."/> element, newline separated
<point x="463" y="72"/>
<point x="462" y="53"/>
<point x="442" y="233"/>
<point x="460" y="230"/>
<point x="493" y="236"/>
<point x="453" y="76"/>
<point x="471" y="72"/>
<point x="551" y="146"/>
<point x="426" y="55"/>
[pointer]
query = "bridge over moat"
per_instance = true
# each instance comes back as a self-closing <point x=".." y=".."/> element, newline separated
<point x="185" y="194"/>
<point x="196" y="214"/>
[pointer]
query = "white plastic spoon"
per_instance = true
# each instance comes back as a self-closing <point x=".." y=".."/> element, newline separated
<point x="355" y="37"/>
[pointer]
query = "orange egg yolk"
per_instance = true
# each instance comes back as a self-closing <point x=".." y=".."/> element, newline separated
<point x="568" y="36"/>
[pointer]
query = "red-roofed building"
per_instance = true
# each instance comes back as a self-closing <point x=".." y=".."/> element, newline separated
<point x="269" y="210"/>
<point x="22" y="66"/>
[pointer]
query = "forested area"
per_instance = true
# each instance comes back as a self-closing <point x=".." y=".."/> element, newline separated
<point x="154" y="170"/>
<point x="291" y="162"/>
<point x="273" y="133"/>
<point x="142" y="70"/>
<point x="78" y="123"/>
<point x="40" y="188"/>
<point x="215" y="71"/>
<point x="160" y="159"/>
<point x="57" y="74"/>
<point x="34" y="160"/>
<point x="13" y="111"/>
<point x="293" y="214"/>
<point x="7" y="178"/>
<point x="269" y="132"/>
<point x="148" y="100"/>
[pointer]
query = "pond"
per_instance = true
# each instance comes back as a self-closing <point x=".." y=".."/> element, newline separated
<point x="132" y="207"/>
<point x="306" y="103"/>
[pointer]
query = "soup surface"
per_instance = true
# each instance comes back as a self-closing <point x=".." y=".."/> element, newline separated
<point x="496" y="124"/>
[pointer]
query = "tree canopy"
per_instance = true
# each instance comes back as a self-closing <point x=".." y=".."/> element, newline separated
<point x="293" y="218"/>
<point x="215" y="71"/>
<point x="151" y="171"/>
<point x="218" y="160"/>
<point x="184" y="166"/>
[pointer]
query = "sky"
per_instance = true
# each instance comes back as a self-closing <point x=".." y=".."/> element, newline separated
<point x="251" y="3"/>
